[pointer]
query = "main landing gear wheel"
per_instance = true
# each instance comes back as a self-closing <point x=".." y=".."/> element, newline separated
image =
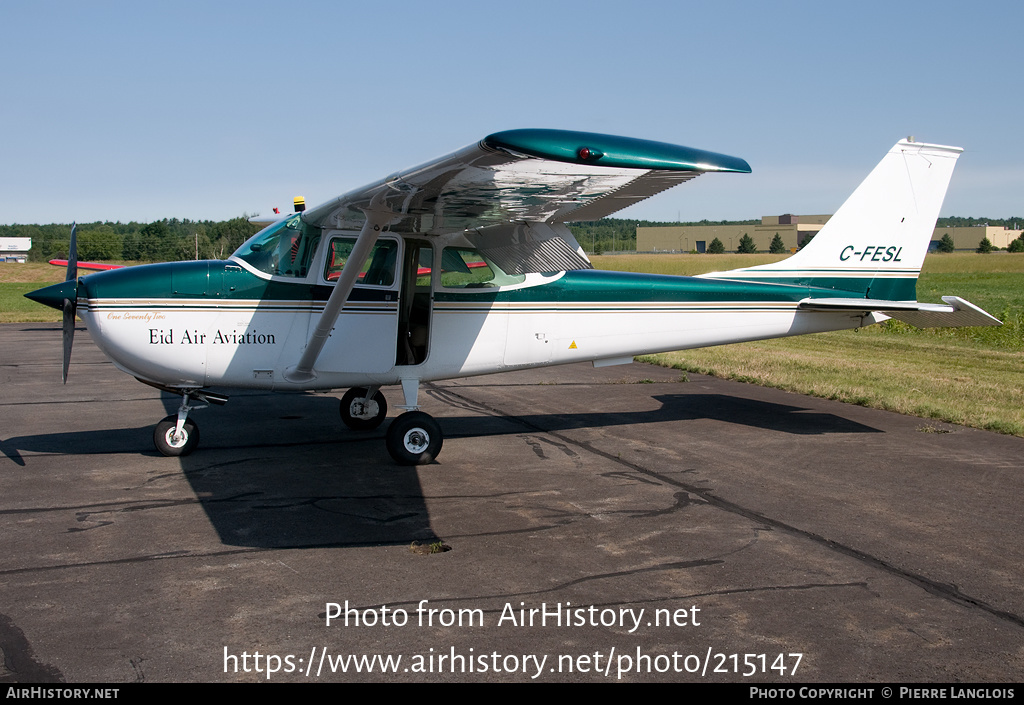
<point x="360" y="413"/>
<point x="165" y="441"/>
<point x="414" y="438"/>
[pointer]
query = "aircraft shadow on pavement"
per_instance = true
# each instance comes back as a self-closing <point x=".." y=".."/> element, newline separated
<point x="303" y="480"/>
<point x="724" y="408"/>
<point x="269" y="492"/>
<point x="769" y="416"/>
<point x="296" y="477"/>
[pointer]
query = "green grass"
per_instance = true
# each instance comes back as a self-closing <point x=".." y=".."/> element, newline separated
<point x="16" y="280"/>
<point x="681" y="265"/>
<point x="968" y="376"/>
<point x="947" y="381"/>
<point x="15" y="308"/>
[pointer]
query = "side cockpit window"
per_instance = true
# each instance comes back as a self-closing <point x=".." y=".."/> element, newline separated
<point x="464" y="268"/>
<point x="377" y="270"/>
<point x="284" y="249"/>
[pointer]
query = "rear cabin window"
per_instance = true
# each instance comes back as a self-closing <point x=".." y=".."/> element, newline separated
<point x="464" y="268"/>
<point x="377" y="270"/>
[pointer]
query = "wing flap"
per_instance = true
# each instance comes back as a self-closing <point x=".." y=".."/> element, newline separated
<point x="521" y="248"/>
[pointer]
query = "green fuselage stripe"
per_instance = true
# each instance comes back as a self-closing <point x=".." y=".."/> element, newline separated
<point x="209" y="283"/>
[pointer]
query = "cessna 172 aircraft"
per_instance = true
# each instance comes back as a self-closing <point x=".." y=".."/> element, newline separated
<point x="464" y="266"/>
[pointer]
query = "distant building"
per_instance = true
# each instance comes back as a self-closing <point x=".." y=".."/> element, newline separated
<point x="794" y="231"/>
<point x="968" y="238"/>
<point x="15" y="249"/>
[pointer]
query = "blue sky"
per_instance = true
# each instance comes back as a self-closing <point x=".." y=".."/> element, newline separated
<point x="140" y="111"/>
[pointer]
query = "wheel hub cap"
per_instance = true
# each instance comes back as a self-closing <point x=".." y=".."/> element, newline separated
<point x="416" y="440"/>
<point x="176" y="441"/>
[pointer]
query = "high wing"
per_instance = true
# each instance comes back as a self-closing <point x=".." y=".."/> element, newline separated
<point x="512" y="192"/>
<point x="510" y="195"/>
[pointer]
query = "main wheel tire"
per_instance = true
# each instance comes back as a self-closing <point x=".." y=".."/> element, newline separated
<point x="163" y="437"/>
<point x="360" y="413"/>
<point x="414" y="438"/>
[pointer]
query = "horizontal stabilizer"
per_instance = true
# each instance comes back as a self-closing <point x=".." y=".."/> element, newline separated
<point x="957" y="313"/>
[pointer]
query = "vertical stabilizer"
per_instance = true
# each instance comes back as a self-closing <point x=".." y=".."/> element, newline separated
<point x="876" y="242"/>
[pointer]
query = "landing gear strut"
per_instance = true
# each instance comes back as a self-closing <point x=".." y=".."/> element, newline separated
<point x="176" y="435"/>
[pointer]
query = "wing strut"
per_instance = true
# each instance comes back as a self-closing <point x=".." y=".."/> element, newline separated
<point x="375" y="221"/>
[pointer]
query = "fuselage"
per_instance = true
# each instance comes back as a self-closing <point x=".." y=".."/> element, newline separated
<point x="432" y="273"/>
<point x="222" y="324"/>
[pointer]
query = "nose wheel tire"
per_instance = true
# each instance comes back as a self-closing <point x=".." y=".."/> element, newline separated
<point x="169" y="445"/>
<point x="414" y="438"/>
<point x="360" y="413"/>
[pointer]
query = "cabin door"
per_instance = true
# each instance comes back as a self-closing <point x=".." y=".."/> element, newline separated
<point x="362" y="338"/>
<point x="415" y="304"/>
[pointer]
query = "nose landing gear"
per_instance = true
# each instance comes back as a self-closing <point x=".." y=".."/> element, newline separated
<point x="176" y="435"/>
<point x="171" y="441"/>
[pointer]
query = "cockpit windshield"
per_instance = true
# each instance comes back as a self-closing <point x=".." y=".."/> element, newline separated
<point x="282" y="250"/>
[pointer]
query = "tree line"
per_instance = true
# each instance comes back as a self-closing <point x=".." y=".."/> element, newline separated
<point x="619" y="234"/>
<point x="957" y="222"/>
<point x="160" y="241"/>
<point x="173" y="239"/>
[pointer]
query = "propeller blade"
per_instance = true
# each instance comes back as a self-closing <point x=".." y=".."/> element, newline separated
<point x="70" y="305"/>
<point x="72" y="256"/>
<point x="69" y="334"/>
<point x="64" y="297"/>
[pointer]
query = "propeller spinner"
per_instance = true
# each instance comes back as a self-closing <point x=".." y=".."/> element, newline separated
<point x="64" y="297"/>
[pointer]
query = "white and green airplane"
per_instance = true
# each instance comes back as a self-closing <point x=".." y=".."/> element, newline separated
<point x="464" y="266"/>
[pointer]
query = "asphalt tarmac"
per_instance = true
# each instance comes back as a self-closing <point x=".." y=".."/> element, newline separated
<point x="604" y="524"/>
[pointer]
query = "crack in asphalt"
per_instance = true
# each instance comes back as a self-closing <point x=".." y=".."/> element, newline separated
<point x="945" y="591"/>
<point x="537" y="438"/>
<point x="661" y="567"/>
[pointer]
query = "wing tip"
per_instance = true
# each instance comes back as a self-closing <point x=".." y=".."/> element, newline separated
<point x="610" y="150"/>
